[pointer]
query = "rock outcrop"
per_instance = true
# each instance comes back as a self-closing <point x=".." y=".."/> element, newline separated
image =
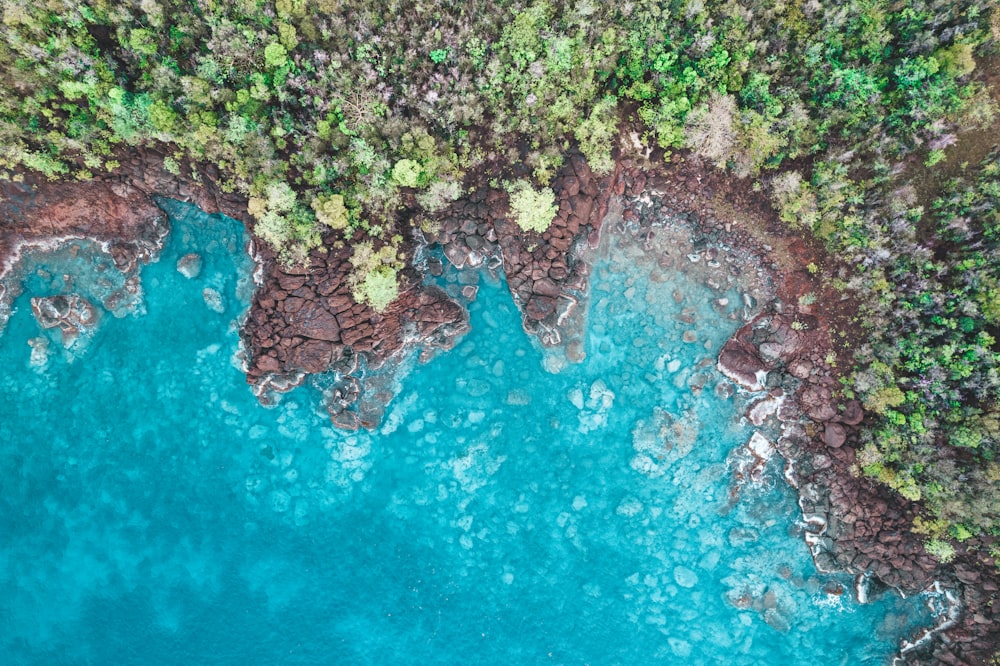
<point x="71" y="314"/>
<point x="303" y="320"/>
<point x="853" y="524"/>
<point x="547" y="273"/>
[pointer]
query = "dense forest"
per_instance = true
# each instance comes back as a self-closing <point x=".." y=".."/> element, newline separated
<point x="331" y="116"/>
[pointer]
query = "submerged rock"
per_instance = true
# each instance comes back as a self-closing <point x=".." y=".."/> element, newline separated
<point x="685" y="577"/>
<point x="777" y="621"/>
<point x="39" y="352"/>
<point x="70" y="313"/>
<point x="190" y="265"/>
<point x="213" y="299"/>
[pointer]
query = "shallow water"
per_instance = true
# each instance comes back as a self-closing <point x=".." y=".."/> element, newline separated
<point x="151" y="511"/>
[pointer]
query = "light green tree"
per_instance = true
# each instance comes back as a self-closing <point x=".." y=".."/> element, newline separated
<point x="533" y="210"/>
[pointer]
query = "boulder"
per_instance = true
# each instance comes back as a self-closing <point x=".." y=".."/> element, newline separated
<point x="189" y="265"/>
<point x="314" y="321"/>
<point x="545" y="287"/>
<point x="800" y="368"/>
<point x="835" y="435"/>
<point x="540" y="307"/>
<point x="817" y="402"/>
<point x="744" y="368"/>
<point x="70" y="313"/>
<point x="65" y="311"/>
<point x="783" y="342"/>
<point x="291" y="282"/>
<point x="853" y="414"/>
<point x="312" y="356"/>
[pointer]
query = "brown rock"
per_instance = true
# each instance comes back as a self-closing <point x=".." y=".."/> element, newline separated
<point x="312" y="356"/>
<point x="330" y="283"/>
<point x="291" y="282"/>
<point x="339" y="303"/>
<point x="571" y="186"/>
<point x="800" y="368"/>
<point x="835" y="435"/>
<point x="741" y="367"/>
<point x="561" y="244"/>
<point x="346" y="420"/>
<point x="816" y="401"/>
<point x="292" y="305"/>
<point x="355" y="334"/>
<point x="314" y="321"/>
<point x="268" y="364"/>
<point x="582" y="206"/>
<point x="540" y="307"/>
<point x="545" y="287"/>
<point x="853" y="414"/>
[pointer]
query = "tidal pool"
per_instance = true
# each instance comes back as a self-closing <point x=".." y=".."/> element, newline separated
<point x="151" y="511"/>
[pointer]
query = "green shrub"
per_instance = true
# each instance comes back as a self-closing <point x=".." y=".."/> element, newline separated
<point x="406" y="173"/>
<point x="533" y="210"/>
<point x="331" y="211"/>
<point x="379" y="288"/>
<point x="374" y="278"/>
<point x="439" y="195"/>
<point x="942" y="551"/>
<point x="597" y="133"/>
<point x="275" y="55"/>
<point x="933" y="157"/>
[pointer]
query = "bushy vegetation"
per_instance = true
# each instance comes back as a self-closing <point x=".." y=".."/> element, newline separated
<point x="374" y="279"/>
<point x="331" y="116"/>
<point x="932" y="375"/>
<point x="364" y="99"/>
<point x="533" y="210"/>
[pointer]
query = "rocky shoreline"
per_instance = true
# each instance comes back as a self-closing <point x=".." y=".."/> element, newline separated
<point x="304" y="321"/>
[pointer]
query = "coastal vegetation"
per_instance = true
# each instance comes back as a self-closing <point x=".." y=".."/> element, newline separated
<point x="333" y="119"/>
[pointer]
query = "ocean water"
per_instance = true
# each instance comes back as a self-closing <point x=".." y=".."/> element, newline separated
<point x="510" y="508"/>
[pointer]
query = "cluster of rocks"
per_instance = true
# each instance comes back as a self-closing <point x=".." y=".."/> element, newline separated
<point x="304" y="320"/>
<point x="142" y="173"/>
<point x="852" y="525"/>
<point x="547" y="273"/>
<point x="71" y="314"/>
<point x="41" y="213"/>
<point x="117" y="209"/>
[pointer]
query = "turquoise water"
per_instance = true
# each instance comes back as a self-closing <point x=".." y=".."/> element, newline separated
<point x="151" y="511"/>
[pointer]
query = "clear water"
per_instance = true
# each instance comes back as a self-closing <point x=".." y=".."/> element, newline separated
<point x="151" y="511"/>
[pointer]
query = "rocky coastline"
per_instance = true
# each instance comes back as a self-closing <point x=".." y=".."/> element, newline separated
<point x="304" y="321"/>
